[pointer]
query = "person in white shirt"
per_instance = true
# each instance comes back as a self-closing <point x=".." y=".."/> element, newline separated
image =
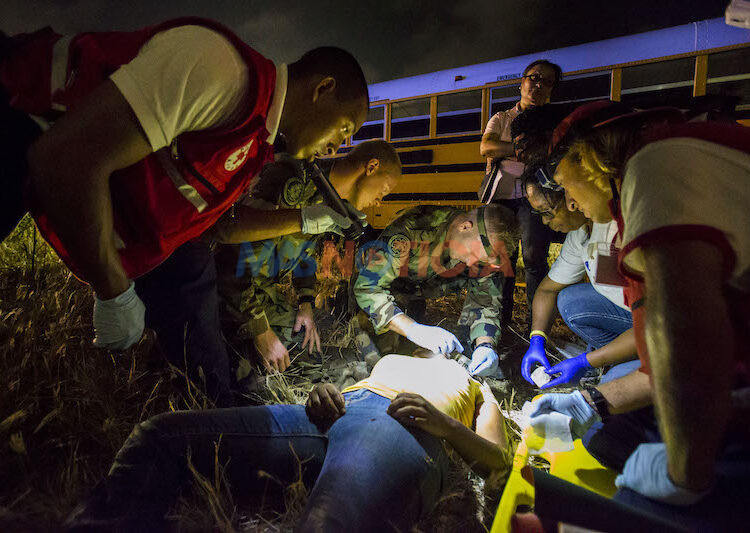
<point x="594" y="311"/>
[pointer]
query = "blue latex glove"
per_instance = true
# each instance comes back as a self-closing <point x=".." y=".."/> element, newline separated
<point x="534" y="356"/>
<point x="484" y="362"/>
<point x="572" y="404"/>
<point x="646" y="473"/>
<point x="571" y="371"/>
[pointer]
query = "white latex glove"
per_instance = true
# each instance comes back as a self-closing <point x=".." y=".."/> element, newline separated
<point x="484" y="362"/>
<point x="572" y="404"/>
<point x="646" y="473"/>
<point x="319" y="218"/>
<point x="356" y="213"/>
<point x="435" y="339"/>
<point x="119" y="322"/>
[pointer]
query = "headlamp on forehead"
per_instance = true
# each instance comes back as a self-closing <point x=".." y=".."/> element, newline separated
<point x="544" y="176"/>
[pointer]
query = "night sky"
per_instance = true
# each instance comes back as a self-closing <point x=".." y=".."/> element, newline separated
<point x="391" y="38"/>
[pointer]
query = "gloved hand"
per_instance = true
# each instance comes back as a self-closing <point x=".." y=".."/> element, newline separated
<point x="572" y="404"/>
<point x="484" y="361"/>
<point x="119" y="322"/>
<point x="534" y="355"/>
<point x="319" y="218"/>
<point x="435" y="339"/>
<point x="355" y="214"/>
<point x="646" y="473"/>
<point x="571" y="371"/>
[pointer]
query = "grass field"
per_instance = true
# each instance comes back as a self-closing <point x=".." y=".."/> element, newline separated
<point x="66" y="407"/>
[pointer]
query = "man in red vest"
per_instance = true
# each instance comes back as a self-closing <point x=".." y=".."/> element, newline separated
<point x="125" y="145"/>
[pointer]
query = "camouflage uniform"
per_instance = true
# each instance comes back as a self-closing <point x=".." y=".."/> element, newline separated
<point x="249" y="274"/>
<point x="411" y="261"/>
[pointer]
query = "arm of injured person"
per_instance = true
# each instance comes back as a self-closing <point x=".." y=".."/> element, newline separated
<point x="485" y="449"/>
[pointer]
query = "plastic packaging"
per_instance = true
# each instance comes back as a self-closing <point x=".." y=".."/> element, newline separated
<point x="546" y="433"/>
<point x="539" y="376"/>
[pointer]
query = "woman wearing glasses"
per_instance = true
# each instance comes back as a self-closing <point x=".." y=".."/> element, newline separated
<point x="595" y="311"/>
<point x="537" y="83"/>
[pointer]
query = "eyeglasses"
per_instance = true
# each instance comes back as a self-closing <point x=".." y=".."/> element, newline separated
<point x="547" y="213"/>
<point x="537" y="78"/>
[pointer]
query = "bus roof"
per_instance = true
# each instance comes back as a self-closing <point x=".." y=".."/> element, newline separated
<point x="693" y="37"/>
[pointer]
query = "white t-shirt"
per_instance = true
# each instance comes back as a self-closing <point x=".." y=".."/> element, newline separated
<point x="577" y="258"/>
<point x="688" y="189"/>
<point x="499" y="123"/>
<point x="189" y="78"/>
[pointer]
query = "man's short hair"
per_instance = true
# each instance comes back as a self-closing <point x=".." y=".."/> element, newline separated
<point x="351" y="84"/>
<point x="501" y="225"/>
<point x="547" y="63"/>
<point x="380" y="150"/>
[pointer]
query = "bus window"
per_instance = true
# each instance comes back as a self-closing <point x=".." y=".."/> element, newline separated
<point x="410" y="118"/>
<point x="582" y="87"/>
<point x="505" y="97"/>
<point x="661" y="83"/>
<point x="374" y="126"/>
<point x="729" y="74"/>
<point x="459" y="112"/>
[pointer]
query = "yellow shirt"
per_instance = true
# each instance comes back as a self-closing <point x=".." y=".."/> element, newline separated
<point x="442" y="382"/>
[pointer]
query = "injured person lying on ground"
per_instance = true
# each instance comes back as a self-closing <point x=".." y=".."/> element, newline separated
<point x="371" y="456"/>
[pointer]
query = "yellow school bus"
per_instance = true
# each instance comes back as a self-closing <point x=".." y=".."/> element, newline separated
<point x="435" y="121"/>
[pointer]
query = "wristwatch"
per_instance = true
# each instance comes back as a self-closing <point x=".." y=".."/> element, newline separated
<point x="487" y="344"/>
<point x="600" y="402"/>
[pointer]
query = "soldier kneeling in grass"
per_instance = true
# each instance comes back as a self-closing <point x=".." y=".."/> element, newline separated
<point x="431" y="251"/>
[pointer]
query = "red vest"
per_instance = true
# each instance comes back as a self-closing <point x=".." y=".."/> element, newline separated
<point x="732" y="136"/>
<point x="175" y="194"/>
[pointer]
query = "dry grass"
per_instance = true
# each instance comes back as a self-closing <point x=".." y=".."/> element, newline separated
<point x="66" y="407"/>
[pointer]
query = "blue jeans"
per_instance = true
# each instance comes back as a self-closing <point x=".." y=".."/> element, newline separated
<point x="367" y="472"/>
<point x="591" y="316"/>
<point x="377" y="475"/>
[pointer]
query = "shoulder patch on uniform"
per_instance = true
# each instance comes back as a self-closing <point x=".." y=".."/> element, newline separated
<point x="294" y="190"/>
<point x="399" y="245"/>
